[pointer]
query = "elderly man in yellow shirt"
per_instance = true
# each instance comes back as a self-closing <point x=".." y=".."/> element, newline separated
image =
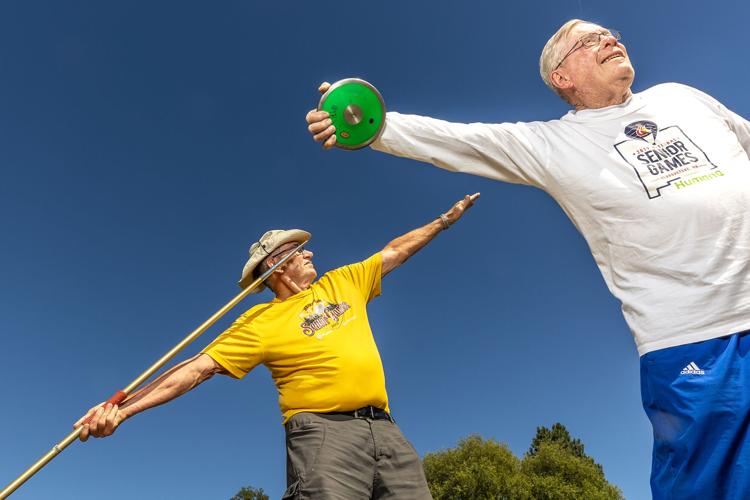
<point x="315" y="339"/>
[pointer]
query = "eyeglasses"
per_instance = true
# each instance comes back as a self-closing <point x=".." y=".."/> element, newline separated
<point x="299" y="250"/>
<point x="589" y="40"/>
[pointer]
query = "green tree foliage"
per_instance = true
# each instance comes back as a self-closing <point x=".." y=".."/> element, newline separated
<point x="250" y="493"/>
<point x="557" y="474"/>
<point x="555" y="468"/>
<point x="559" y="435"/>
<point x="476" y="469"/>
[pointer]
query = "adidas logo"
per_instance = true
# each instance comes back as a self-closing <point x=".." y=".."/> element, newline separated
<point x="692" y="369"/>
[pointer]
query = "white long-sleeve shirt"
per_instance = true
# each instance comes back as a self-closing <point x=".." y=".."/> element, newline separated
<point x="659" y="187"/>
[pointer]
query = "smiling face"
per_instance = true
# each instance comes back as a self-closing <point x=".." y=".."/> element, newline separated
<point x="593" y="76"/>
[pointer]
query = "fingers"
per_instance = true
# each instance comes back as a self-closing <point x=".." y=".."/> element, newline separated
<point x="90" y="428"/>
<point x="331" y="141"/>
<point x="467" y="201"/>
<point x="315" y="116"/>
<point x="97" y="423"/>
<point x="319" y="123"/>
<point x="470" y="198"/>
<point x="84" y="435"/>
<point x="91" y="411"/>
<point x="326" y="134"/>
<point x="103" y="423"/>
<point x="458" y="209"/>
<point x="321" y="127"/>
<point x="111" y="421"/>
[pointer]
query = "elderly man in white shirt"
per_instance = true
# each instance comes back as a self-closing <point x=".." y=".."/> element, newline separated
<point x="658" y="183"/>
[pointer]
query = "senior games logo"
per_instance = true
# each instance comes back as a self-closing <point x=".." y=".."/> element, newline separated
<point x="319" y="315"/>
<point x="644" y="130"/>
<point x="673" y="160"/>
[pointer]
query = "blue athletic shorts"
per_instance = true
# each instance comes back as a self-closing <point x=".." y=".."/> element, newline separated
<point x="697" y="397"/>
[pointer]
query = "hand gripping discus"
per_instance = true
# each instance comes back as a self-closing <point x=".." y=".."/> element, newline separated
<point x="119" y="396"/>
<point x="356" y="109"/>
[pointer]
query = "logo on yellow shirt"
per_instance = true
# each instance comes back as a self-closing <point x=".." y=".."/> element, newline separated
<point x="320" y="314"/>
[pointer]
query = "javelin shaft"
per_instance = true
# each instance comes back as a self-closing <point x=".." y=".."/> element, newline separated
<point x="120" y="395"/>
<point x="191" y="337"/>
<point x="59" y="447"/>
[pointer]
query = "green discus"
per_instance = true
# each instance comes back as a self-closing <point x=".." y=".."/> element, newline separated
<point x="357" y="111"/>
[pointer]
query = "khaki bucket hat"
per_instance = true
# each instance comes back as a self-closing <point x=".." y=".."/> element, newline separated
<point x="264" y="247"/>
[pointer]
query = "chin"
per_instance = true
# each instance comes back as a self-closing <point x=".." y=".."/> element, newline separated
<point x="623" y="78"/>
<point x="627" y="71"/>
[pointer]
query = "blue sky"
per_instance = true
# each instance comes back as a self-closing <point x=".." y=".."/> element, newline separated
<point x="145" y="145"/>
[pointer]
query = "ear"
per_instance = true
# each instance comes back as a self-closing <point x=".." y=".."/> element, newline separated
<point x="560" y="80"/>
<point x="269" y="264"/>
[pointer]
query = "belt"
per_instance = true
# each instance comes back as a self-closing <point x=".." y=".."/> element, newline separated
<point x="370" y="412"/>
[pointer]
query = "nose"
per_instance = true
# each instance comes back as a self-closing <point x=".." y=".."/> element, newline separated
<point x="307" y="254"/>
<point x="608" y="40"/>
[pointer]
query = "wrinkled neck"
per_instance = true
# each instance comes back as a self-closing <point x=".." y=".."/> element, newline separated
<point x="600" y="100"/>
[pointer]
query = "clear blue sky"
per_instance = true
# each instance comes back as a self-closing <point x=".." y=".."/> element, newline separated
<point x="145" y="145"/>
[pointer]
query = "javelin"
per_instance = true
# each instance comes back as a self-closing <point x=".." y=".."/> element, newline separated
<point x="119" y="396"/>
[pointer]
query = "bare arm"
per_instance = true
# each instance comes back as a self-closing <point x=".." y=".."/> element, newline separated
<point x="173" y="383"/>
<point x="399" y="250"/>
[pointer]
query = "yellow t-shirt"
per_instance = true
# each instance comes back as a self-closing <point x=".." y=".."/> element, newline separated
<point x="317" y="344"/>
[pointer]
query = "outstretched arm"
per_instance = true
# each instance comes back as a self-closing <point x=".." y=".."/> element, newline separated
<point x="399" y="250"/>
<point x="508" y="152"/>
<point x="173" y="383"/>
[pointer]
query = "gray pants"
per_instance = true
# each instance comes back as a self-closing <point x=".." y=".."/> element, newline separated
<point x="338" y="457"/>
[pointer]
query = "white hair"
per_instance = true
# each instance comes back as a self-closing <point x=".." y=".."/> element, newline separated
<point x="553" y="52"/>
